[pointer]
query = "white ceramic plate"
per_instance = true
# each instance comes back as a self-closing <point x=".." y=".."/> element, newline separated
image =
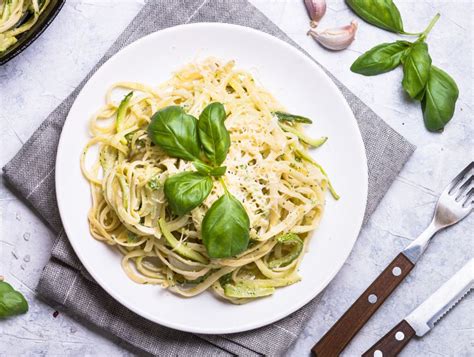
<point x="303" y="88"/>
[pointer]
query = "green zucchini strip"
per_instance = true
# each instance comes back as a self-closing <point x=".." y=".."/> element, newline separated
<point x="258" y="287"/>
<point x="315" y="143"/>
<point x="308" y="158"/>
<point x="242" y="291"/>
<point x="288" y="239"/>
<point x="178" y="247"/>
<point x="121" y="111"/>
<point x="282" y="116"/>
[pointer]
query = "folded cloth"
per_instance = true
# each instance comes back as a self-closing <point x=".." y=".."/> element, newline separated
<point x="64" y="281"/>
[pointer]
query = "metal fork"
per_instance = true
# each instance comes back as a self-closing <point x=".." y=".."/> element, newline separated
<point x="454" y="204"/>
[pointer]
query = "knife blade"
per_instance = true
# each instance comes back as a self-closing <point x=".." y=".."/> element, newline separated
<point x="425" y="316"/>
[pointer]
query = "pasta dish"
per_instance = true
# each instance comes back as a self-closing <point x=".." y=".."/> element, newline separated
<point x="17" y="17"/>
<point x="227" y="202"/>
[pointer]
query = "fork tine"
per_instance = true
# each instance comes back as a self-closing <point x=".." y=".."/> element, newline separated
<point x="468" y="198"/>
<point x="460" y="193"/>
<point x="455" y="182"/>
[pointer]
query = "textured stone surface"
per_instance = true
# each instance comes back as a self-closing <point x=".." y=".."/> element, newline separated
<point x="35" y="82"/>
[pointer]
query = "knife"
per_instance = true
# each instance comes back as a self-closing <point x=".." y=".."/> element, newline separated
<point x="425" y="316"/>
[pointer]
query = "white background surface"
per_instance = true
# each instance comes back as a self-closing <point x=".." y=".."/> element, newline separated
<point x="34" y="83"/>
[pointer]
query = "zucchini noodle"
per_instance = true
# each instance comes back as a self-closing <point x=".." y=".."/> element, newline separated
<point x="267" y="171"/>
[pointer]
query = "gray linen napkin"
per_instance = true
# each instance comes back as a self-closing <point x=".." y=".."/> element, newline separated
<point x="64" y="280"/>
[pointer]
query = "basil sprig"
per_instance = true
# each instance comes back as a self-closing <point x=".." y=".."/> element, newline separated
<point x="205" y="142"/>
<point x="434" y="88"/>
<point x="380" y="13"/>
<point x="12" y="302"/>
<point x="225" y="228"/>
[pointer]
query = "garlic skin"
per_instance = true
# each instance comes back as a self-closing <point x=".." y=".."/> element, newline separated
<point x="316" y="10"/>
<point x="335" y="39"/>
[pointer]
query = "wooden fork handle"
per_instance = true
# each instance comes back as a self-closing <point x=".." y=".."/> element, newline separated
<point x="393" y="342"/>
<point x="339" y="336"/>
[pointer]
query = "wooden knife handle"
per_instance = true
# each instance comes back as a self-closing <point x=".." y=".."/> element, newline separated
<point x="393" y="342"/>
<point x="339" y="336"/>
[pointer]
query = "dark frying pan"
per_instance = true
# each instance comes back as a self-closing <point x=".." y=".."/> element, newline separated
<point x="25" y="39"/>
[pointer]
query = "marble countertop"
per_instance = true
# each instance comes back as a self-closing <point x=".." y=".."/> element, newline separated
<point x="35" y="82"/>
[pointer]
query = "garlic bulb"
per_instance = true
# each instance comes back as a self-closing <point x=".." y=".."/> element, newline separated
<point x="316" y="10"/>
<point x="335" y="39"/>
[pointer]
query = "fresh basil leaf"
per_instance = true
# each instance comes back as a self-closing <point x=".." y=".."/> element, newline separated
<point x="12" y="302"/>
<point x="416" y="69"/>
<point x="380" y="59"/>
<point x="213" y="134"/>
<point x="380" y="13"/>
<point x="186" y="190"/>
<point x="209" y="170"/>
<point x="225" y="228"/>
<point x="439" y="101"/>
<point x="282" y="116"/>
<point x="175" y="132"/>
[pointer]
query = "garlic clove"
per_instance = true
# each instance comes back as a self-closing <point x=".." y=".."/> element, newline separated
<point x="316" y="10"/>
<point x="335" y="39"/>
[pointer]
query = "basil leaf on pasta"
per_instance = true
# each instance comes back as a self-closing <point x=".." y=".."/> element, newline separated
<point x="225" y="228"/>
<point x="187" y="190"/>
<point x="175" y="132"/>
<point x="213" y="134"/>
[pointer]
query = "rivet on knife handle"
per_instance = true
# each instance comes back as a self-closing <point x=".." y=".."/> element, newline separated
<point x="339" y="336"/>
<point x="393" y="342"/>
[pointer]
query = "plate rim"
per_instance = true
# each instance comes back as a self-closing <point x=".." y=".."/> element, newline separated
<point x="261" y="322"/>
